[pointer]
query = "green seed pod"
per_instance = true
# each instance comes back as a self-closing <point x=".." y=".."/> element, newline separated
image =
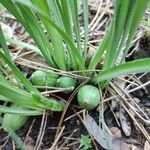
<point x="66" y="82"/>
<point x="88" y="97"/>
<point x="14" y="121"/>
<point x="41" y="78"/>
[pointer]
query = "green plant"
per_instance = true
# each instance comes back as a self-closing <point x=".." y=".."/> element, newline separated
<point x="28" y="99"/>
<point x="66" y="82"/>
<point x="66" y="52"/>
<point x="88" y="97"/>
<point x="14" y="121"/>
<point x="42" y="78"/>
<point x="85" y="142"/>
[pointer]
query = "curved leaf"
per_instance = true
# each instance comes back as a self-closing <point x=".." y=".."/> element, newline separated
<point x="21" y="111"/>
<point x="137" y="66"/>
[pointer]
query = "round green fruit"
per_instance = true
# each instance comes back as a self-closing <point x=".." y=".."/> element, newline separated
<point x="88" y="97"/>
<point x="66" y="82"/>
<point x="41" y="78"/>
<point x="14" y="121"/>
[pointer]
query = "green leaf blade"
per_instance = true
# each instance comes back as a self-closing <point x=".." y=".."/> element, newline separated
<point x="137" y="66"/>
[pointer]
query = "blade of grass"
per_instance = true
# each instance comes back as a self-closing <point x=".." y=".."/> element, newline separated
<point x="75" y="56"/>
<point x="43" y="102"/>
<point x="53" y="6"/>
<point x="26" y="99"/>
<point x="12" y="8"/>
<point x="33" y="30"/>
<point x="16" y="71"/>
<point x="85" y="14"/>
<point x="46" y="103"/>
<point x="58" y="53"/>
<point x="67" y="25"/>
<point x="23" y="45"/>
<point x="73" y="6"/>
<point x="111" y="39"/>
<point x="126" y="31"/>
<point x="57" y="15"/>
<point x="137" y="66"/>
<point x="17" y="139"/>
<point x="111" y="50"/>
<point x="127" y="15"/>
<point x="3" y="44"/>
<point x="100" y="50"/>
<point x="124" y="17"/>
<point x="21" y="111"/>
<point x="3" y="98"/>
<point x="3" y="68"/>
<point x="121" y="19"/>
<point x="106" y="43"/>
<point x="19" y="75"/>
<point x="138" y="8"/>
<point x="65" y="14"/>
<point x="16" y="95"/>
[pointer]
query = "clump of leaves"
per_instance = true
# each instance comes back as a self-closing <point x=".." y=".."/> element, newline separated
<point x="85" y="142"/>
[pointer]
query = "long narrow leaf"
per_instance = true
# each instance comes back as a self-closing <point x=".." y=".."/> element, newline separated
<point x="10" y="91"/>
<point x="3" y="44"/>
<point x="16" y="71"/>
<point x="53" y="6"/>
<point x="100" y="50"/>
<point x="121" y="19"/>
<point x="21" y="111"/>
<point x="58" y="52"/>
<point x="85" y="13"/>
<point x="110" y="53"/>
<point x="75" y="56"/>
<point x="65" y="14"/>
<point x="19" y="75"/>
<point x="24" y="45"/>
<point x="74" y="13"/>
<point x="23" y="98"/>
<point x="34" y="30"/>
<point x="137" y="66"/>
<point x="133" y="22"/>
<point x="16" y="95"/>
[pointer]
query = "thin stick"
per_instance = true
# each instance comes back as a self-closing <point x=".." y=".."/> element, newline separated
<point x="58" y="137"/>
<point x="42" y="131"/>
